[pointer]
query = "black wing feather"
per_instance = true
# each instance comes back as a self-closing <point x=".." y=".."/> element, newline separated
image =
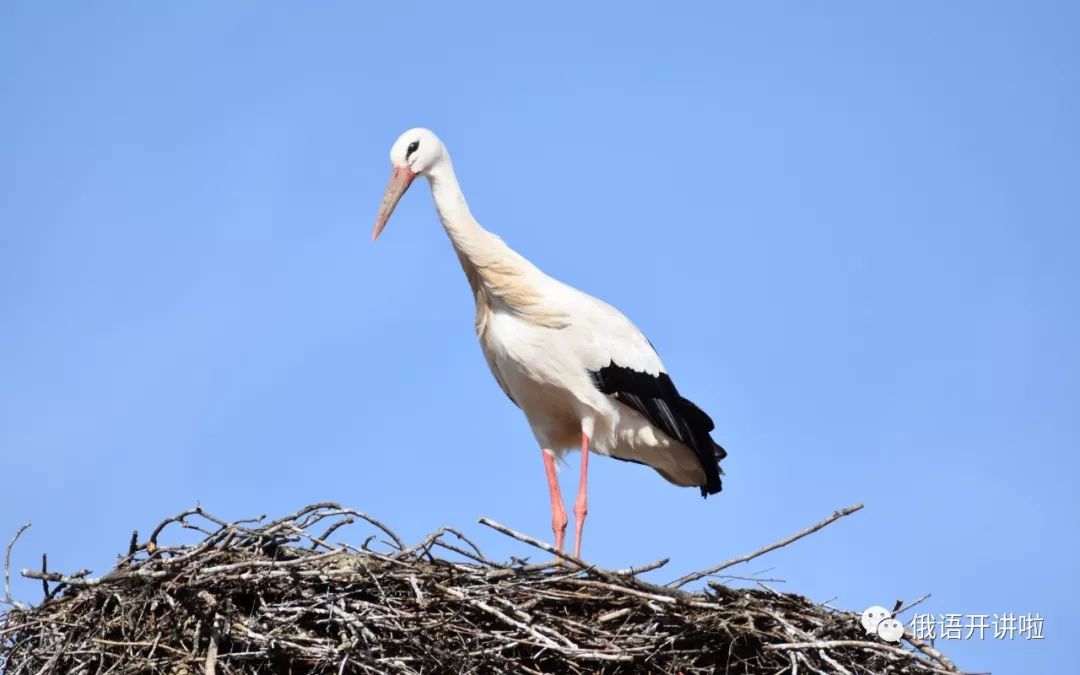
<point x="656" y="397"/>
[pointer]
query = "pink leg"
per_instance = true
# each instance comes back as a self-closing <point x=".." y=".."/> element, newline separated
<point x="581" y="504"/>
<point x="558" y="513"/>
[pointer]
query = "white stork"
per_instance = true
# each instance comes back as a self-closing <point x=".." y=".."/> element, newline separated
<point x="575" y="366"/>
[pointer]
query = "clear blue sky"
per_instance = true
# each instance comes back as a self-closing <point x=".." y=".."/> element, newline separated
<point x="850" y="229"/>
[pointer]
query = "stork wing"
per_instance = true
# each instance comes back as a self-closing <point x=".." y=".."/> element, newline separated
<point x="656" y="397"/>
<point x="625" y="366"/>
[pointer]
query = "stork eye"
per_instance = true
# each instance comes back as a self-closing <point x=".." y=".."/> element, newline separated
<point x="412" y="148"/>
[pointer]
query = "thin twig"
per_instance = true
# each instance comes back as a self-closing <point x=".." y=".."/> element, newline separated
<point x="682" y="581"/>
<point x="7" y="568"/>
<point x="903" y="608"/>
<point x="642" y="569"/>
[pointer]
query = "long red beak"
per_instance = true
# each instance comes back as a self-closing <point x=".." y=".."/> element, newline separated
<point x="400" y="180"/>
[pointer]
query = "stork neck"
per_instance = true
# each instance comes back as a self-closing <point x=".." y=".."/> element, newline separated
<point x="465" y="233"/>
<point x="498" y="276"/>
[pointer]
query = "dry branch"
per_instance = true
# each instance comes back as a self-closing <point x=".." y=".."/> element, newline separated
<point x="276" y="598"/>
<point x="8" y="600"/>
<point x="682" y="581"/>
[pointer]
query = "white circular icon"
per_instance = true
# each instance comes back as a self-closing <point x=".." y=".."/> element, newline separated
<point x="890" y="630"/>
<point x="872" y="616"/>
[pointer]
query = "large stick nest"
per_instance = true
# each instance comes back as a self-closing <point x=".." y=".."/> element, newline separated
<point x="278" y="597"/>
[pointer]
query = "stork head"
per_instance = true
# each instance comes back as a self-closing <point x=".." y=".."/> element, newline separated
<point x="415" y="153"/>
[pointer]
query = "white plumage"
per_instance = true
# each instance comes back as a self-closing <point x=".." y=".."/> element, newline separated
<point x="546" y="372"/>
<point x="579" y="370"/>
